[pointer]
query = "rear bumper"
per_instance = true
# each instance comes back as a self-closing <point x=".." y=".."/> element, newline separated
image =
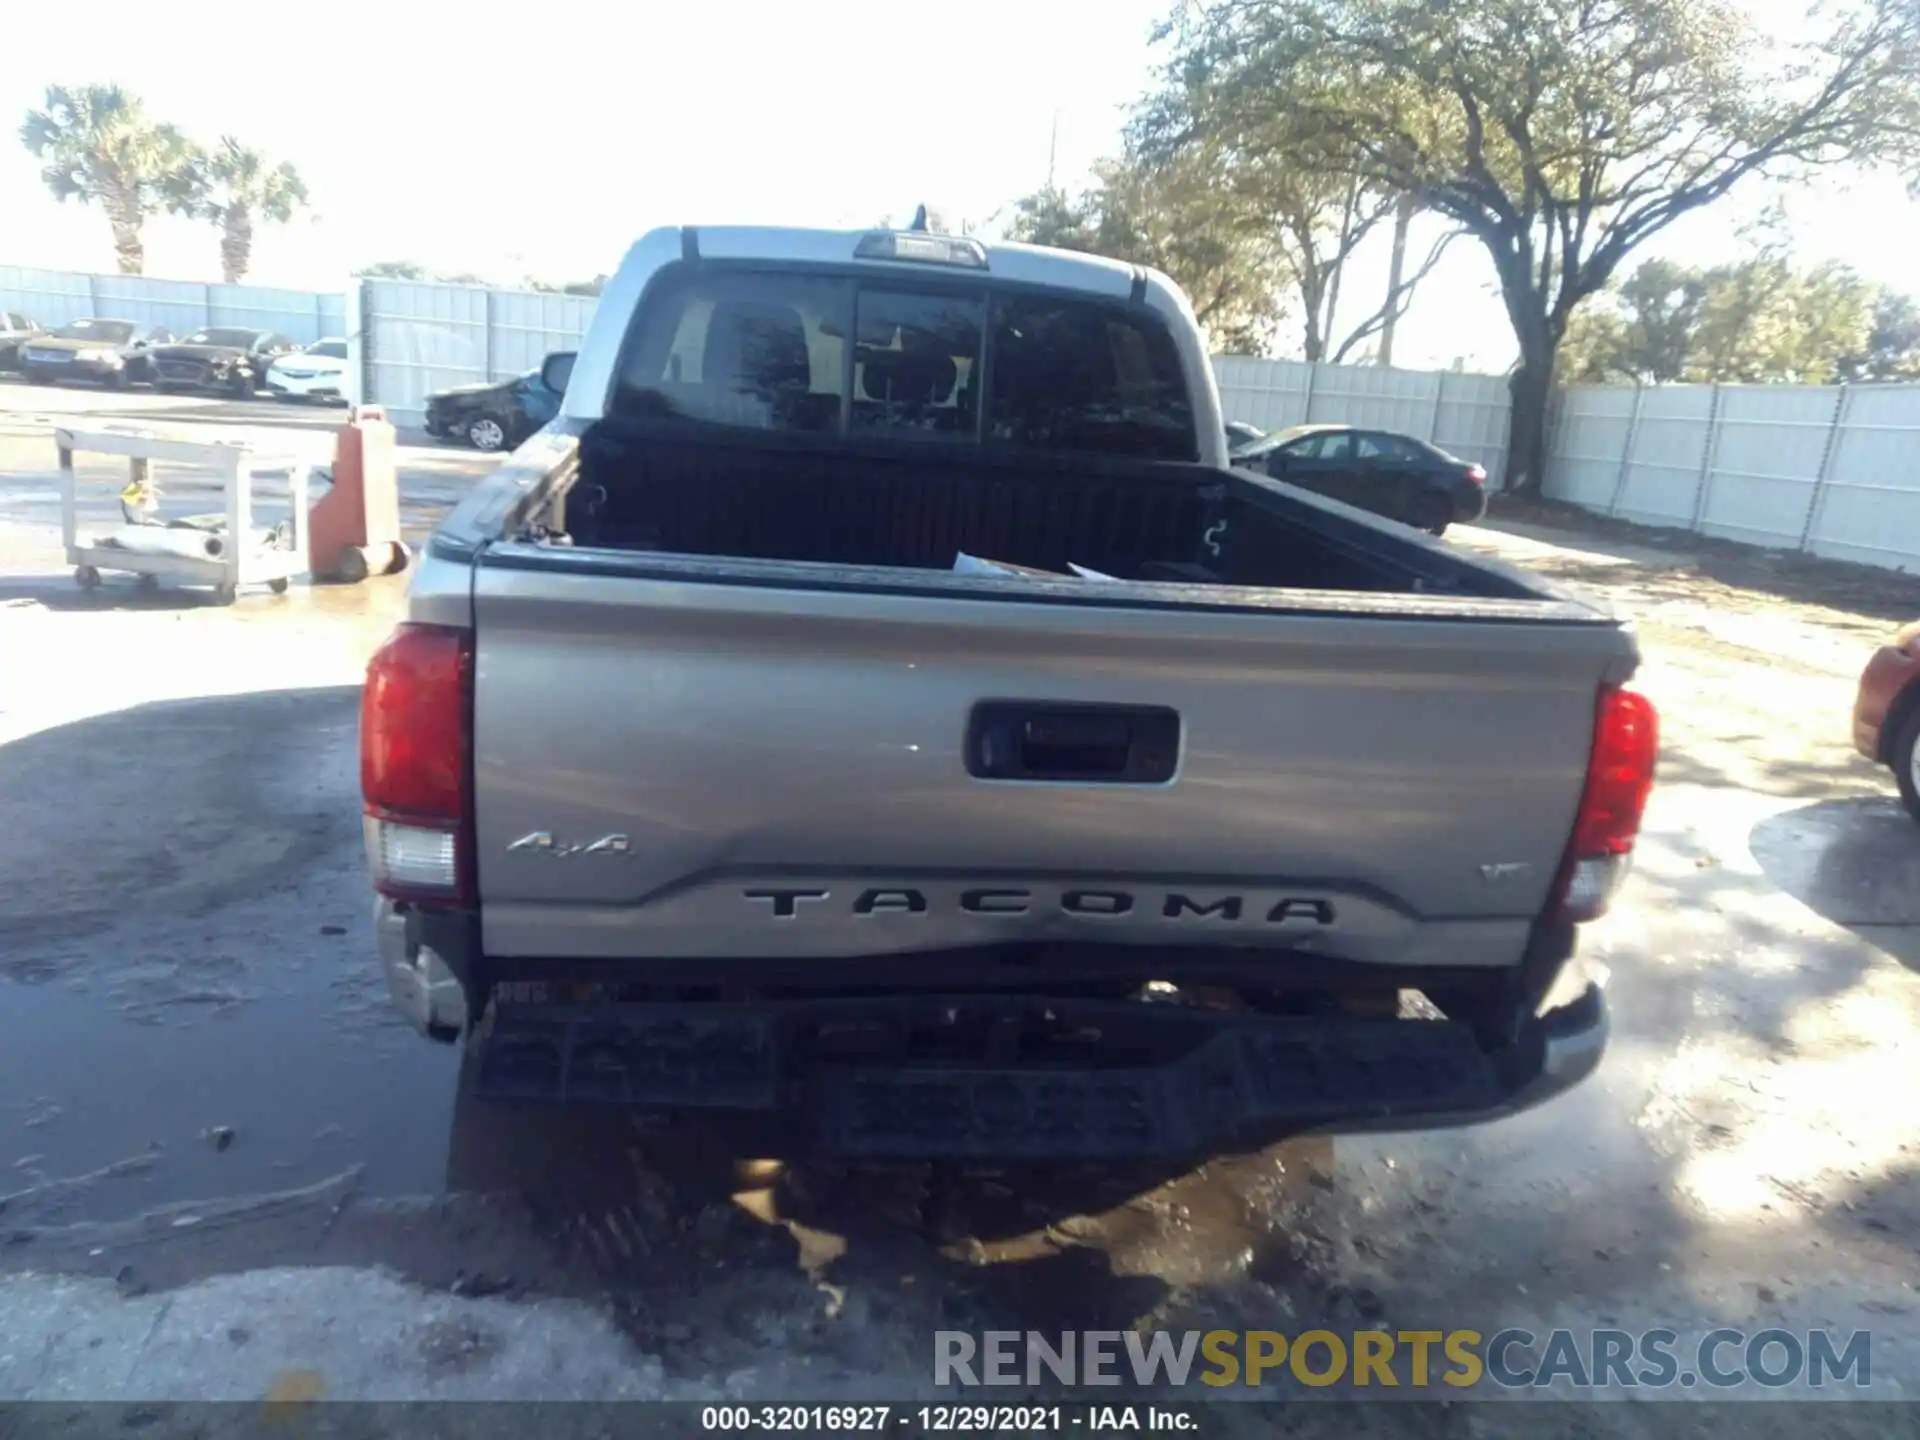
<point x="992" y="1076"/>
<point x="97" y="370"/>
<point x="312" y="387"/>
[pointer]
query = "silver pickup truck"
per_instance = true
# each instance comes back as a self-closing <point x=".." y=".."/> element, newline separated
<point x="873" y="712"/>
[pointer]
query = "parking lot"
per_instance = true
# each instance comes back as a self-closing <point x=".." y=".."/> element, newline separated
<point x="196" y="1032"/>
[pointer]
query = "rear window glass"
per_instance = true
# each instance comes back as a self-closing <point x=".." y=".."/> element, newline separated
<point x="763" y="352"/>
<point x="915" y="364"/>
<point x="769" y="351"/>
<point x="1068" y="375"/>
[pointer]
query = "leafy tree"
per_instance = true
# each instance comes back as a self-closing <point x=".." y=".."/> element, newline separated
<point x="1561" y="134"/>
<point x="99" y="147"/>
<point x="1892" y="350"/>
<point x="394" y="270"/>
<point x="1757" y="320"/>
<point x="1178" y="216"/>
<point x="1317" y="215"/>
<point x="1644" y="330"/>
<point x="234" y="186"/>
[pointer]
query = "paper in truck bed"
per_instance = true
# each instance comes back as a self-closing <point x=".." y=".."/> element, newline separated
<point x="965" y="564"/>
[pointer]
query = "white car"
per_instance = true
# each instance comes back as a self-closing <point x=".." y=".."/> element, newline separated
<point x="318" y="372"/>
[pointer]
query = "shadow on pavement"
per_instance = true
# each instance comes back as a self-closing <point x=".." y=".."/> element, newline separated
<point x="1854" y="862"/>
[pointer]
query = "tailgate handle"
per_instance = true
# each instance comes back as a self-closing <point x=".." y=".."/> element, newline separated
<point x="1035" y="740"/>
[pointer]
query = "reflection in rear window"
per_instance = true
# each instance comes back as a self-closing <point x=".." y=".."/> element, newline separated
<point x="1069" y="375"/>
<point x="768" y="351"/>
<point x="762" y="352"/>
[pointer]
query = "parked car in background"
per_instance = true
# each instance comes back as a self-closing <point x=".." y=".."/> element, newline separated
<point x="493" y="417"/>
<point x="1886" y="713"/>
<point x="1242" y="437"/>
<point x="15" y="330"/>
<point x="318" y="372"/>
<point x="1393" y="475"/>
<point x="219" y="357"/>
<point x="115" y="353"/>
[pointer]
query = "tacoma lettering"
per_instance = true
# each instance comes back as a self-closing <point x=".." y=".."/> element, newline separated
<point x="1093" y="904"/>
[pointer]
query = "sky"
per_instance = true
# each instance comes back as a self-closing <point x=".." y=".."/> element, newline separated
<point x="540" y="137"/>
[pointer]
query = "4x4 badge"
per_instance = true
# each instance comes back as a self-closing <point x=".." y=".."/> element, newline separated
<point x="541" y="842"/>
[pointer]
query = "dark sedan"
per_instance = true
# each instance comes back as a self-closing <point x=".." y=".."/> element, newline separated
<point x="497" y="416"/>
<point x="1393" y="475"/>
<point x="1242" y="437"/>
<point x="109" y="352"/>
<point x="219" y="357"/>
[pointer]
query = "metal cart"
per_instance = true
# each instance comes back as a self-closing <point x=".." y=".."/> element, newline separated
<point x="240" y="560"/>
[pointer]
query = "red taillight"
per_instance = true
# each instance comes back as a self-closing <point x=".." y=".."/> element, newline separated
<point x="1477" y="474"/>
<point x="416" y="763"/>
<point x="1626" y="748"/>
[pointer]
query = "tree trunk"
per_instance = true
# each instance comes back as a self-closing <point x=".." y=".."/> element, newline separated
<point x="1530" y="387"/>
<point x="1402" y="221"/>
<point x="128" y="251"/>
<point x="236" y="243"/>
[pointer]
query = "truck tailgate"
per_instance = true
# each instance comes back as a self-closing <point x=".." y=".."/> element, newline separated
<point x="684" y="767"/>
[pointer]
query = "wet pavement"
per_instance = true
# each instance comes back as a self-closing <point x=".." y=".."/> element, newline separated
<point x="192" y="1017"/>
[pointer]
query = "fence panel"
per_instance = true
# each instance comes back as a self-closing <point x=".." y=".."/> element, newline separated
<point x="180" y="305"/>
<point x="1470" y="421"/>
<point x="54" y="297"/>
<point x="1667" y="459"/>
<point x="46" y="297"/>
<point x="417" y="338"/>
<point x="1403" y="401"/>
<point x="1590" y="444"/>
<point x="1869" y="506"/>
<point x="1766" y="461"/>
<point x="1272" y="394"/>
<point x="529" y="325"/>
<point x="302" y="315"/>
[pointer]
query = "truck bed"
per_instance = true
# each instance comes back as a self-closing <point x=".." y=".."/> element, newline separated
<point x="662" y="490"/>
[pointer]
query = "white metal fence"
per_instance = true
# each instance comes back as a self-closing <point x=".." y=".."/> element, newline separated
<point x="53" y="297"/>
<point x="1832" y="470"/>
<point x="417" y="337"/>
<point x="1465" y="415"/>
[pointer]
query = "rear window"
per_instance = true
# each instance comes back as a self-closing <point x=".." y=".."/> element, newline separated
<point x="831" y="355"/>
<point x="761" y="352"/>
<point x="1068" y="375"/>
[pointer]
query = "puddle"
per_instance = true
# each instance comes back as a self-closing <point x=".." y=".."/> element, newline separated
<point x="105" y="1116"/>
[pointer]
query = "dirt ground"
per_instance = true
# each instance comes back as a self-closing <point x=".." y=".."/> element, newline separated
<point x="183" y="951"/>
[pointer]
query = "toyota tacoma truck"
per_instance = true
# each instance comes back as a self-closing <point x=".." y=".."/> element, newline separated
<point x="873" y="711"/>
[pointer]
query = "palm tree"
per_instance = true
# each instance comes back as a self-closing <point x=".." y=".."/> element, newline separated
<point x="233" y="187"/>
<point x="99" y="147"/>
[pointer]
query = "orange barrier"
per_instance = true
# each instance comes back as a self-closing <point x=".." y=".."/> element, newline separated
<point x="353" y="530"/>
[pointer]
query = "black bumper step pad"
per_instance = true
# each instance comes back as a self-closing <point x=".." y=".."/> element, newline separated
<point x="1261" y="1080"/>
<point x="1239" y="1077"/>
